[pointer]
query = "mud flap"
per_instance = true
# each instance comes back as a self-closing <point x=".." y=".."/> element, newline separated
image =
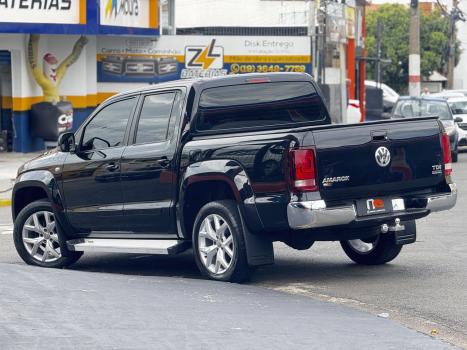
<point x="259" y="249"/>
<point x="407" y="236"/>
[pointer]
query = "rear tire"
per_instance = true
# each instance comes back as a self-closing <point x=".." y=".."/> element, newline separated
<point x="455" y="155"/>
<point x="218" y="242"/>
<point x="39" y="239"/>
<point x="376" y="250"/>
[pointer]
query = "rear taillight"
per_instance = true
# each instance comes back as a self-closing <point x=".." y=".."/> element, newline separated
<point x="446" y="154"/>
<point x="303" y="173"/>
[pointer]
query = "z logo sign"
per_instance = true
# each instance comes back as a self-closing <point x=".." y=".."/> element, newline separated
<point x="204" y="57"/>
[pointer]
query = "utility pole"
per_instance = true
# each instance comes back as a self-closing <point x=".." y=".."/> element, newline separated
<point x="455" y="15"/>
<point x="312" y="34"/>
<point x="414" y="50"/>
<point x="379" y="33"/>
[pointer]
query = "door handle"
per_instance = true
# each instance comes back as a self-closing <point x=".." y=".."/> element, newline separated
<point x="164" y="162"/>
<point x="112" y="167"/>
<point x="379" y="135"/>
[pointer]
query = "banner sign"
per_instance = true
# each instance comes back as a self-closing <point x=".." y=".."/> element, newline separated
<point x="113" y="17"/>
<point x="175" y="57"/>
<point x="40" y="11"/>
<point x="125" y="13"/>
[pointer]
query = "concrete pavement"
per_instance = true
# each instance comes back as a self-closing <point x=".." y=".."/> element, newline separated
<point x="63" y="309"/>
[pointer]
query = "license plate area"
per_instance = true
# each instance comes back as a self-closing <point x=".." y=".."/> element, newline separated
<point x="379" y="205"/>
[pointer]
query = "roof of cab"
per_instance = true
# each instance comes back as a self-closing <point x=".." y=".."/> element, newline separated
<point x="202" y="83"/>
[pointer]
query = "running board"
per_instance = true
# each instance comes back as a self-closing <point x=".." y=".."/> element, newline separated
<point x="139" y="246"/>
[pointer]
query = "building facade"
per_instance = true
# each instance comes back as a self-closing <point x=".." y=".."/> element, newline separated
<point x="48" y="69"/>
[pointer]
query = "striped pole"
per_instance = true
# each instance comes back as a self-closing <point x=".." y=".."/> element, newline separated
<point x="414" y="50"/>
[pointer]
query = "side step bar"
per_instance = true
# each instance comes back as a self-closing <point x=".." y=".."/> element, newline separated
<point x="139" y="246"/>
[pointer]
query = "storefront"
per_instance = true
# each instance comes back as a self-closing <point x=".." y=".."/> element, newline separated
<point x="48" y="68"/>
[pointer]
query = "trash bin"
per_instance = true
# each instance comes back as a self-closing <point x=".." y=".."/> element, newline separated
<point x="49" y="120"/>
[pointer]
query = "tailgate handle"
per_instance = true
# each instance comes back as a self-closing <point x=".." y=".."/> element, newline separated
<point x="379" y="135"/>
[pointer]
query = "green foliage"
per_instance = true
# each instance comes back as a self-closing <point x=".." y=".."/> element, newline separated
<point x="434" y="43"/>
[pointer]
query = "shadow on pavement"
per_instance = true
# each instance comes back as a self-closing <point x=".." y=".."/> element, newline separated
<point x="285" y="270"/>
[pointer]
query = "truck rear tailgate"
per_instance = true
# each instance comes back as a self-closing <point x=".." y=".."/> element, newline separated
<point x="349" y="167"/>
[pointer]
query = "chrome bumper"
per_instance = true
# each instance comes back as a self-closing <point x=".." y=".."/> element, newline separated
<point x="442" y="202"/>
<point x="315" y="214"/>
<point x="312" y="214"/>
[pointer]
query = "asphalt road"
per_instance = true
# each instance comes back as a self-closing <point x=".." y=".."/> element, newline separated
<point x="425" y="288"/>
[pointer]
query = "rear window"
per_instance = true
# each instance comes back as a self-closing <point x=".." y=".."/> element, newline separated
<point x="259" y="105"/>
<point x="422" y="108"/>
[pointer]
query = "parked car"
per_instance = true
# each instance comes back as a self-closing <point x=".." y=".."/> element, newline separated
<point x="416" y="107"/>
<point x="227" y="166"/>
<point x="458" y="107"/>
<point x="447" y="94"/>
<point x="456" y="92"/>
<point x="390" y="96"/>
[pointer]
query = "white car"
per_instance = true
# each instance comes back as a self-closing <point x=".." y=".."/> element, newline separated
<point x="458" y="107"/>
<point x="458" y="91"/>
<point x="447" y="94"/>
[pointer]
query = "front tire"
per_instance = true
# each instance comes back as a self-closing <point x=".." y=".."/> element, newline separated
<point x="38" y="237"/>
<point x="376" y="250"/>
<point x="218" y="242"/>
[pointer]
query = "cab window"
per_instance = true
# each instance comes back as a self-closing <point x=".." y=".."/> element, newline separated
<point x="107" y="127"/>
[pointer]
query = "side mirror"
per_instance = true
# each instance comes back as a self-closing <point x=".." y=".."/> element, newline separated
<point x="66" y="142"/>
<point x="458" y="119"/>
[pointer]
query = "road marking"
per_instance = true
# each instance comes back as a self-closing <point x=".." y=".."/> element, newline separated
<point x="5" y="202"/>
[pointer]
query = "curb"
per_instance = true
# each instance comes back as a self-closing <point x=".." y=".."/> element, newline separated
<point x="5" y="202"/>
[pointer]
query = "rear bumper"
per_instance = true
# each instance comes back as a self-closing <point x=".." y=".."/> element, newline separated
<point x="314" y="214"/>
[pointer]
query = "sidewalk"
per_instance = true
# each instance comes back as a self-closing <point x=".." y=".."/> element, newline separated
<point x="88" y="310"/>
<point x="9" y="164"/>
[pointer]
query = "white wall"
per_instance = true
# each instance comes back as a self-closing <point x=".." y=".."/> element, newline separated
<point x="460" y="72"/>
<point x="249" y="13"/>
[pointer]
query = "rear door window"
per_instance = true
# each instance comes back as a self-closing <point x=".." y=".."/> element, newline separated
<point x="259" y="105"/>
<point x="154" y="118"/>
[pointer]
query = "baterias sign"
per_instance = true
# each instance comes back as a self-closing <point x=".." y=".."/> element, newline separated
<point x="40" y="11"/>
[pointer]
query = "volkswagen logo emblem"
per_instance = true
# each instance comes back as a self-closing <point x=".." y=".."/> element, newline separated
<point x="383" y="156"/>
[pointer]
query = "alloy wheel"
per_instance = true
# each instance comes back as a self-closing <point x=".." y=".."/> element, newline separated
<point x="364" y="246"/>
<point x="40" y="237"/>
<point x="216" y="244"/>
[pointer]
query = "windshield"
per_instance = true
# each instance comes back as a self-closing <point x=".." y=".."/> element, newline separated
<point x="422" y="108"/>
<point x="458" y="107"/>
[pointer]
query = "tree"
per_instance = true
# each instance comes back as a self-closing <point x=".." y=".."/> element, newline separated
<point x="434" y="42"/>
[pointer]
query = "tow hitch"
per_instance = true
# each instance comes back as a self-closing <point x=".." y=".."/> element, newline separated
<point x="385" y="228"/>
<point x="403" y="233"/>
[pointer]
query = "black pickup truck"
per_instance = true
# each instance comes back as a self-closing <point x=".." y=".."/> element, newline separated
<point x="227" y="166"/>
